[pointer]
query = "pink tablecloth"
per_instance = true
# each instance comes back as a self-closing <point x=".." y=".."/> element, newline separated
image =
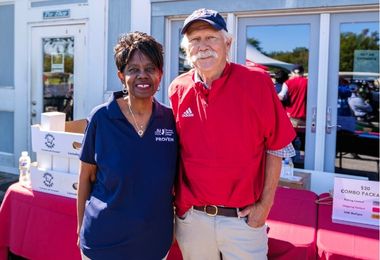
<point x="292" y="225"/>
<point x="338" y="241"/>
<point x="38" y="225"/>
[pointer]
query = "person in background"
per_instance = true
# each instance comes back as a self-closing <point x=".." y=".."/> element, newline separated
<point x="296" y="93"/>
<point x="280" y="78"/>
<point x="359" y="101"/>
<point x="233" y="133"/>
<point x="128" y="162"/>
<point x="344" y="93"/>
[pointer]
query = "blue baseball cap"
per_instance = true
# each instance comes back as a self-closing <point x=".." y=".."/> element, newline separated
<point x="207" y="15"/>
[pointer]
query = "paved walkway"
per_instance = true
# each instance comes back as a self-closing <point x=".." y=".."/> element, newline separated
<point x="6" y="179"/>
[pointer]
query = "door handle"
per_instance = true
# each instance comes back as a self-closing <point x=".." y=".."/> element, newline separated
<point x="328" y="121"/>
<point x="332" y="126"/>
<point x="313" y="119"/>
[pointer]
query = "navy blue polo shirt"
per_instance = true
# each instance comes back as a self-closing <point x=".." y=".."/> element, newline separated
<point x="129" y="214"/>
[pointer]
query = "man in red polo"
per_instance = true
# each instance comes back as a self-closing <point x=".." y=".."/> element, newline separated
<point x="296" y="94"/>
<point x="233" y="132"/>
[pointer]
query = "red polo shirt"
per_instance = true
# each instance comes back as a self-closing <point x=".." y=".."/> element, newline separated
<point x="224" y="133"/>
<point x="297" y="93"/>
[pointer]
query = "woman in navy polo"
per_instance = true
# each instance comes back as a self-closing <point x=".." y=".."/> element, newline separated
<point x="128" y="162"/>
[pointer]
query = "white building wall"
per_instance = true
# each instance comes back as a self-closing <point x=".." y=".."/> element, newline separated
<point x="140" y="15"/>
<point x="29" y="14"/>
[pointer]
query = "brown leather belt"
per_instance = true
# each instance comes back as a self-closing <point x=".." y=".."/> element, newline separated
<point x="213" y="210"/>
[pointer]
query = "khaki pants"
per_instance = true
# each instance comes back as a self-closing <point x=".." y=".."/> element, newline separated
<point x="203" y="237"/>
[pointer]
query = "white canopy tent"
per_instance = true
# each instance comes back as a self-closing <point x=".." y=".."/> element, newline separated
<point x="255" y="56"/>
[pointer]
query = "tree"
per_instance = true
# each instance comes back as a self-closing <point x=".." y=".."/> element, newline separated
<point x="299" y="55"/>
<point x="255" y="43"/>
<point x="350" y="41"/>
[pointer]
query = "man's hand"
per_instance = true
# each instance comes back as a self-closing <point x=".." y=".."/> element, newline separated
<point x="257" y="214"/>
<point x="259" y="211"/>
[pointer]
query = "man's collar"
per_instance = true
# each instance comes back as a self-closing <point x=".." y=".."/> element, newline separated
<point x="198" y="79"/>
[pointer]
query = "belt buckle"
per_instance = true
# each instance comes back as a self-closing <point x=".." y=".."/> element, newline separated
<point x="209" y="214"/>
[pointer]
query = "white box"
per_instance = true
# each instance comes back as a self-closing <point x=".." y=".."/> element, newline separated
<point x="60" y="163"/>
<point x="53" y="121"/>
<point x="54" y="182"/>
<point x="66" y="144"/>
<point x="74" y="165"/>
<point x="44" y="160"/>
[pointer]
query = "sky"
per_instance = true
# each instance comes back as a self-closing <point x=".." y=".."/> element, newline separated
<point x="281" y="37"/>
<point x="288" y="37"/>
<point x="358" y="27"/>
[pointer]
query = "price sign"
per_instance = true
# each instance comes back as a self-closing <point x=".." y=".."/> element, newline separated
<point x="356" y="201"/>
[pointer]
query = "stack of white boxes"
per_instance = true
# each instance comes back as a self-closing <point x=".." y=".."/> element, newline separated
<point x="57" y="167"/>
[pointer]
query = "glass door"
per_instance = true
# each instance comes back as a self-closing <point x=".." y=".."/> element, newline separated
<point x="178" y="58"/>
<point x="353" y="96"/>
<point x="57" y="70"/>
<point x="286" y="47"/>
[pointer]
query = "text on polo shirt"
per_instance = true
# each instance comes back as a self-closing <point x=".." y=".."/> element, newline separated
<point x="164" y="135"/>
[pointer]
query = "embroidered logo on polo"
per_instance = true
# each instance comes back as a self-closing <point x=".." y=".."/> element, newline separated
<point x="188" y="113"/>
<point x="164" y="135"/>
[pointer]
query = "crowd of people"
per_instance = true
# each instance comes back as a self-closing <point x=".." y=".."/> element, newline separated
<point x="358" y="98"/>
<point x="357" y="108"/>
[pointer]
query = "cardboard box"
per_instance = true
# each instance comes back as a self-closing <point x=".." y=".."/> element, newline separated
<point x="53" y="121"/>
<point x="54" y="182"/>
<point x="56" y="169"/>
<point x="44" y="160"/>
<point x="302" y="184"/>
<point x="74" y="166"/>
<point x="66" y="144"/>
<point x="60" y="163"/>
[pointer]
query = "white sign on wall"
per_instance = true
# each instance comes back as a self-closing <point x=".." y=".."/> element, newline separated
<point x="366" y="61"/>
<point x="57" y="62"/>
<point x="54" y="14"/>
<point x="356" y="201"/>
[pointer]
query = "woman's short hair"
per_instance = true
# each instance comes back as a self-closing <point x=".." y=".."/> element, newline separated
<point x="128" y="43"/>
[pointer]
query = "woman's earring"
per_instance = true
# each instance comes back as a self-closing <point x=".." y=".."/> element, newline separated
<point x="125" y="90"/>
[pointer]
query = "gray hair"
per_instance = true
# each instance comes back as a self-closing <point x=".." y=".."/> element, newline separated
<point x="185" y="45"/>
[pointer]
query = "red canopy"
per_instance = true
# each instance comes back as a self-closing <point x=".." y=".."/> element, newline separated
<point x="250" y="63"/>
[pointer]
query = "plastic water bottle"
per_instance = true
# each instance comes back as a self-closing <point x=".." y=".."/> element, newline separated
<point x="24" y="168"/>
<point x="291" y="167"/>
<point x="287" y="168"/>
